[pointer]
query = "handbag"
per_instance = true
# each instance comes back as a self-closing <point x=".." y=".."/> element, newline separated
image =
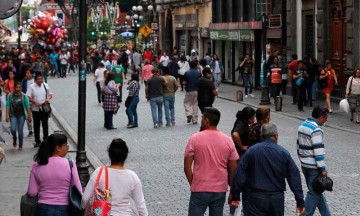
<point x="100" y="202"/>
<point x="46" y="106"/>
<point x="28" y="205"/>
<point x="322" y="183"/>
<point x="299" y="81"/>
<point x="74" y="196"/>
<point x="128" y="101"/>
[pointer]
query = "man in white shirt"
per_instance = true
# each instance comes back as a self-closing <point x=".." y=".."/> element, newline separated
<point x="39" y="93"/>
<point x="164" y="60"/>
<point x="63" y="63"/>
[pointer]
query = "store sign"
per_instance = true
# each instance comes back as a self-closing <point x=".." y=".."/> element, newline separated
<point x="232" y="35"/>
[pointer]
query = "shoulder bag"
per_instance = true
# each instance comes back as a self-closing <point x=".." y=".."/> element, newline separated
<point x="74" y="196"/>
<point x="28" y="205"/>
<point x="46" y="106"/>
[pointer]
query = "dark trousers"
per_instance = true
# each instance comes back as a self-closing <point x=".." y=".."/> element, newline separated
<point x="108" y="119"/>
<point x="309" y="89"/>
<point x="202" y="105"/>
<point x="294" y="92"/>
<point x="119" y="98"/>
<point x="283" y="87"/>
<point x="54" y="210"/>
<point x="276" y="88"/>
<point x="40" y="117"/>
<point x="301" y="95"/>
<point x="181" y="79"/>
<point x="266" y="203"/>
<point x="98" y="89"/>
<point x="63" y="68"/>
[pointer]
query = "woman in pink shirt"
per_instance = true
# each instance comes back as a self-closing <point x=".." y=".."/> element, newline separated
<point x="146" y="71"/>
<point x="50" y="177"/>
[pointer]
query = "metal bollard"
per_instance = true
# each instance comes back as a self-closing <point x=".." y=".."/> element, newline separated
<point x="239" y="96"/>
<point x="278" y="103"/>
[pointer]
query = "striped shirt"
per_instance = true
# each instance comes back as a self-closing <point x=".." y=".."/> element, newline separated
<point x="310" y="146"/>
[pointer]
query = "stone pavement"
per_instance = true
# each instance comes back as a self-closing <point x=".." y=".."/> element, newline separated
<point x="14" y="173"/>
<point x="156" y="155"/>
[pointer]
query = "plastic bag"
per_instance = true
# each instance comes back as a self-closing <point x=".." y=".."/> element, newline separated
<point x="344" y="105"/>
<point x="238" y="210"/>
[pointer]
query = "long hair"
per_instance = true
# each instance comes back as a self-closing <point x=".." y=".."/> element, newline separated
<point x="244" y="115"/>
<point x="47" y="148"/>
<point x="111" y="76"/>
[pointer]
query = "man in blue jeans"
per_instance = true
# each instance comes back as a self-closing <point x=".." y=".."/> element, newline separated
<point x="311" y="152"/>
<point x="169" y="97"/>
<point x="155" y="93"/>
<point x="247" y="67"/>
<point x="211" y="152"/>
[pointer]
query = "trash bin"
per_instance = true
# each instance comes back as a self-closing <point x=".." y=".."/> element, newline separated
<point x="278" y="103"/>
<point x="239" y="96"/>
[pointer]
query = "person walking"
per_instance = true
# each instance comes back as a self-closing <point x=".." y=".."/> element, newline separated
<point x="262" y="115"/>
<point x="264" y="168"/>
<point x="206" y="90"/>
<point x="292" y="67"/>
<point x="53" y="63"/>
<point x="39" y="93"/>
<point x="164" y="60"/>
<point x="17" y="110"/>
<point x="299" y="78"/>
<point x="146" y="71"/>
<point x="137" y="60"/>
<point x="120" y="77"/>
<point x="275" y="78"/>
<point x="9" y="84"/>
<point x="63" y="63"/>
<point x="331" y="79"/>
<point x="217" y="68"/>
<point x="133" y="97"/>
<point x="26" y="82"/>
<point x="110" y="103"/>
<point x="311" y="152"/>
<point x="353" y="95"/>
<point x="155" y="93"/>
<point x="209" y="181"/>
<point x="118" y="174"/>
<point x="190" y="101"/>
<point x="50" y="177"/>
<point x="169" y="89"/>
<point x="183" y="67"/>
<point x="247" y="67"/>
<point x="98" y="76"/>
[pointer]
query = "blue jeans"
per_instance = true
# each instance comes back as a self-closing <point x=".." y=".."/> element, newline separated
<point x="17" y="124"/>
<point x="248" y="83"/>
<point x="314" y="199"/>
<point x="156" y="104"/>
<point x="199" y="201"/>
<point x="217" y="79"/>
<point x="169" y="102"/>
<point x="266" y="203"/>
<point x="53" y="210"/>
<point x="131" y="111"/>
<point x="54" y="69"/>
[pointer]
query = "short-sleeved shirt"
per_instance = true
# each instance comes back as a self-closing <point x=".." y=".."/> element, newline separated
<point x="118" y="70"/>
<point x="211" y="150"/>
<point x="243" y="130"/>
<point x="155" y="86"/>
<point x="99" y="73"/>
<point x="169" y="89"/>
<point x="247" y="67"/>
<point x="205" y="90"/>
<point x="53" y="58"/>
<point x="191" y="77"/>
<point x="38" y="93"/>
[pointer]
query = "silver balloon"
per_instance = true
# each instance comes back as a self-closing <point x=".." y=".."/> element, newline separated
<point x="9" y="7"/>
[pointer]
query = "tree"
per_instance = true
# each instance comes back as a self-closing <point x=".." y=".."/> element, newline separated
<point x="70" y="15"/>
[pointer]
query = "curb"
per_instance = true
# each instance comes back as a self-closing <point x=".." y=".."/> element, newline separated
<point x="290" y="115"/>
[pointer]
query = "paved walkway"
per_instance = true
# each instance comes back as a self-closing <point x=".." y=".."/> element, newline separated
<point x="14" y="173"/>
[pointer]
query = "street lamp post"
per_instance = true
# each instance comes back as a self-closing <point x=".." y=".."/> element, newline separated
<point x="81" y="161"/>
<point x="265" y="99"/>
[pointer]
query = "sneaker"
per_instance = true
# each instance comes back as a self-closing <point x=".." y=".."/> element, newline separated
<point x="246" y="96"/>
<point x="14" y="142"/>
<point x="156" y="125"/>
<point x="131" y="126"/>
<point x="252" y="95"/>
<point x="30" y="133"/>
<point x="189" y="118"/>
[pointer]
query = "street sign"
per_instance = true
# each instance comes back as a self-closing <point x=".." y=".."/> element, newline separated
<point x="145" y="30"/>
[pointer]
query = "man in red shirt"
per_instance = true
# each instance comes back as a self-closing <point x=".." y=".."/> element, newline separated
<point x="292" y="67"/>
<point x="148" y="55"/>
<point x="212" y="152"/>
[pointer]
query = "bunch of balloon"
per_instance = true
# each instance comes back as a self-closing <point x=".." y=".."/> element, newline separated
<point x="47" y="31"/>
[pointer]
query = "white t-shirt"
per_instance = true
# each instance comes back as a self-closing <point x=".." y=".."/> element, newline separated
<point x="38" y="93"/>
<point x="164" y="60"/>
<point x="123" y="185"/>
<point x="99" y="73"/>
<point x="184" y="66"/>
<point x="63" y="58"/>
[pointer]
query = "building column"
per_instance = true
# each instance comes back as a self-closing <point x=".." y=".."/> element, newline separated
<point x="315" y="32"/>
<point x="299" y="28"/>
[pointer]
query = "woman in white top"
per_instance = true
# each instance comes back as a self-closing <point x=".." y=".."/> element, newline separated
<point x="184" y="66"/>
<point x="99" y="76"/>
<point x="353" y="95"/>
<point x="123" y="183"/>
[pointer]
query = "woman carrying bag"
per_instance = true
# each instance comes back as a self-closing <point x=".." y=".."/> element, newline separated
<point x="353" y="95"/>
<point x="110" y="103"/>
<point x="50" y="177"/>
<point x="17" y="111"/>
<point x="331" y="79"/>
